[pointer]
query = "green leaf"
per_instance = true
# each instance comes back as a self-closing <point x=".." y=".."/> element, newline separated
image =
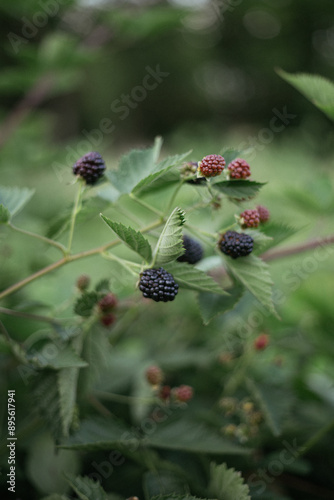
<point x="97" y="352"/>
<point x="211" y="304"/>
<point x="239" y="189"/>
<point x="273" y="402"/>
<point x="67" y="387"/>
<point x="85" y="304"/>
<point x="13" y="199"/>
<point x="163" y="482"/>
<point x="317" y="89"/>
<point x="132" y="238"/>
<point x="4" y="215"/>
<point x="86" y="488"/>
<point x="278" y="232"/>
<point x="260" y="239"/>
<point x="227" y="484"/>
<point x="46" y="400"/>
<point x="191" y="436"/>
<point x="134" y="167"/>
<point x="254" y="274"/>
<point x="193" y="279"/>
<point x="56" y="358"/>
<point x="159" y="173"/>
<point x="170" y="243"/>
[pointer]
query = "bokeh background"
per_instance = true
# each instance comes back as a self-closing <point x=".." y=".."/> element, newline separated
<point x="74" y="78"/>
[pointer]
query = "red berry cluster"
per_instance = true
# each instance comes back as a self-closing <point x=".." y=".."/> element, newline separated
<point x="182" y="394"/>
<point x="239" y="169"/>
<point x="249" y="218"/>
<point x="211" y="165"/>
<point x="106" y="306"/>
<point x="264" y="213"/>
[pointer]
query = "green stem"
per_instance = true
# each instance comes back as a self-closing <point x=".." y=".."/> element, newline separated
<point x="39" y="237"/>
<point x="75" y="211"/>
<point x="70" y="258"/>
<point x="315" y="438"/>
<point x="21" y="314"/>
<point x="126" y="264"/>
<point x="146" y="205"/>
<point x="197" y="230"/>
<point x="174" y="195"/>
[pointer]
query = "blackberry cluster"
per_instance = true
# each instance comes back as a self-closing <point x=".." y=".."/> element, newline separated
<point x="239" y="169"/>
<point x="158" y="284"/>
<point x="211" y="165"/>
<point x="250" y="218"/>
<point x="264" y="213"/>
<point x="90" y="167"/>
<point x="193" y="251"/>
<point x="236" y="244"/>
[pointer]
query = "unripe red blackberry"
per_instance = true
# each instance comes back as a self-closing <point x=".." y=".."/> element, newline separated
<point x="239" y="169"/>
<point x="261" y="342"/>
<point x="83" y="282"/>
<point x="249" y="218"/>
<point x="90" y="167"/>
<point x="154" y="375"/>
<point x="107" y="303"/>
<point x="236" y="244"/>
<point x="108" y="319"/>
<point x="264" y="213"/>
<point x="193" y="251"/>
<point x="158" y="285"/>
<point x="211" y="165"/>
<point x="183" y="394"/>
<point x="164" y="392"/>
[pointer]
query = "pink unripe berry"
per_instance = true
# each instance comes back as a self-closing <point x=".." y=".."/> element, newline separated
<point x="108" y="319"/>
<point x="261" y="342"/>
<point x="108" y="302"/>
<point x="249" y="218"/>
<point x="154" y="375"/>
<point x="184" y="393"/>
<point x="264" y="213"/>
<point x="211" y="165"/>
<point x="239" y="169"/>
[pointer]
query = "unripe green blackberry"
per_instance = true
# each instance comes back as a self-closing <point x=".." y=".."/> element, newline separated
<point x="211" y="165"/>
<point x="264" y="213"/>
<point x="193" y="251"/>
<point x="154" y="375"/>
<point x="90" y="167"/>
<point x="236" y="244"/>
<point x="183" y="394"/>
<point x="158" y="284"/>
<point x="239" y="169"/>
<point x="108" y="302"/>
<point x="249" y="218"/>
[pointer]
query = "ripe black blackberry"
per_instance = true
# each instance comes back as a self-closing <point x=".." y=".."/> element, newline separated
<point x="158" y="284"/>
<point x="236" y="244"/>
<point x="211" y="165"/>
<point x="193" y="251"/>
<point x="90" y="167"/>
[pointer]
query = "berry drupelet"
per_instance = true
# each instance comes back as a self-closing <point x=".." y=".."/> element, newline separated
<point x="90" y="167"/>
<point x="193" y="251"/>
<point x="239" y="169"/>
<point x="249" y="218"/>
<point x="236" y="244"/>
<point x="158" y="284"/>
<point x="211" y="165"/>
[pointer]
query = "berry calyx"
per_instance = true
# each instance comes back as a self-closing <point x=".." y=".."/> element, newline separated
<point x="236" y="244"/>
<point x="249" y="218"/>
<point x="90" y="167"/>
<point x="264" y="213"/>
<point x="158" y="285"/>
<point x="183" y="394"/>
<point x="239" y="169"/>
<point x="261" y="342"/>
<point x="154" y="375"/>
<point x="107" y="303"/>
<point x="108" y="319"/>
<point x="193" y="251"/>
<point x="211" y="165"/>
